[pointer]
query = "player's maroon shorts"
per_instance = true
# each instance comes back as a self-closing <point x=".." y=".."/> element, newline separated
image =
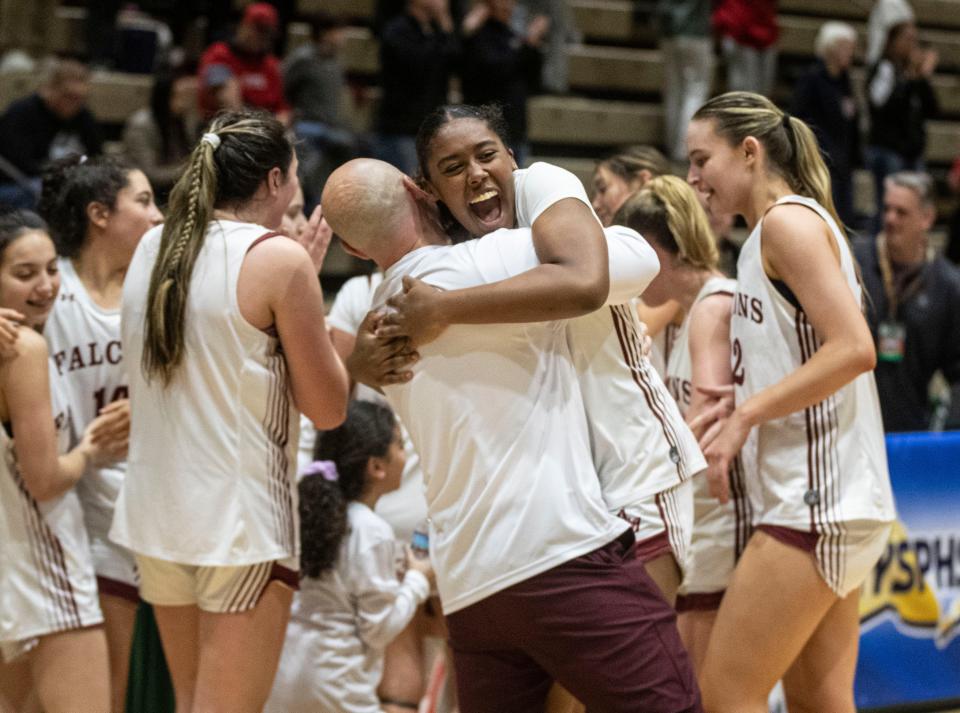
<point x="596" y="624"/>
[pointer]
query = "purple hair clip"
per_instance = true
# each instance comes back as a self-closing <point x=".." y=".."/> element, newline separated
<point x="326" y="468"/>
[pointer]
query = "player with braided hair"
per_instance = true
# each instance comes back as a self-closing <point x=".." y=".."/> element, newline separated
<point x="223" y="325"/>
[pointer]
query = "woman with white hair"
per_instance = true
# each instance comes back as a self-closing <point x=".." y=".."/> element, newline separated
<point x="824" y="99"/>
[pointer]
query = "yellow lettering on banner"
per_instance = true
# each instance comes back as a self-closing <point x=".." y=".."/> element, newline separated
<point x="898" y="584"/>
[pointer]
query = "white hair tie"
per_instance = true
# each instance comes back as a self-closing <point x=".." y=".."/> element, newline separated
<point x="212" y="139"/>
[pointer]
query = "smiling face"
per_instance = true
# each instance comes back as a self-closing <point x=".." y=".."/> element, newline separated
<point x="610" y="191"/>
<point x="471" y="171"/>
<point x="717" y="169"/>
<point x="29" y="278"/>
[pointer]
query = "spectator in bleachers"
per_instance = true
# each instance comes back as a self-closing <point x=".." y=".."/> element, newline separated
<point x="418" y="50"/>
<point x="914" y="305"/>
<point x="249" y="55"/>
<point x="158" y="138"/>
<point x="502" y="66"/>
<point x="824" y="99"/>
<point x="563" y="31"/>
<point x="219" y="90"/>
<point x="748" y="32"/>
<point x="884" y="15"/>
<point x="688" y="65"/>
<point x="315" y="82"/>
<point x="49" y="124"/>
<point x="901" y="100"/>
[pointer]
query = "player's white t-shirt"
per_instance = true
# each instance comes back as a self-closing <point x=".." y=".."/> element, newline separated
<point x="406" y="507"/>
<point x="47" y="582"/>
<point x="640" y="443"/>
<point x="504" y="446"/>
<point x="212" y="468"/>
<point x="85" y="345"/>
<point x="341" y="622"/>
<point x="823" y="465"/>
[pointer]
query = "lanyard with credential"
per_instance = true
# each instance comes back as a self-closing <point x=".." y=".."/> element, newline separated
<point x="891" y="332"/>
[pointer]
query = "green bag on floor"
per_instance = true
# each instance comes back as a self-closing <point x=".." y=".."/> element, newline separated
<point x="148" y="687"/>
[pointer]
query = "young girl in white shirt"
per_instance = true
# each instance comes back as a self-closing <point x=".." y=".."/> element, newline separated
<point x="351" y="602"/>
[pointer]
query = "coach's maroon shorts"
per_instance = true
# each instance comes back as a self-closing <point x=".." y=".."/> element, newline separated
<point x="596" y="624"/>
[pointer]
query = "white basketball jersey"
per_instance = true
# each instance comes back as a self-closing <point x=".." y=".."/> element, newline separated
<point x="639" y="441"/>
<point x="47" y="583"/>
<point x="212" y="467"/>
<point x="825" y="465"/>
<point x="679" y="368"/>
<point x="662" y="347"/>
<point x="720" y="531"/>
<point x="84" y="341"/>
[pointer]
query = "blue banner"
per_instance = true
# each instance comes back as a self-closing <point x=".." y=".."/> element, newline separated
<point x="910" y="605"/>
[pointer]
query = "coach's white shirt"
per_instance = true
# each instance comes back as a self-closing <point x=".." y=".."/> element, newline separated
<point x="404" y="508"/>
<point x="496" y="415"/>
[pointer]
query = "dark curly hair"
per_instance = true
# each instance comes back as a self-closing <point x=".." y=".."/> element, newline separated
<point x="489" y="114"/>
<point x="14" y="223"/>
<point x="70" y="185"/>
<point x="367" y="433"/>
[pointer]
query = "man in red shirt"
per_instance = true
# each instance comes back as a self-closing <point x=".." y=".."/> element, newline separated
<point x="249" y="55"/>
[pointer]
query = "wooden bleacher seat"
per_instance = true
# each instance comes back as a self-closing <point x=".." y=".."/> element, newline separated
<point x="593" y="122"/>
<point x="930" y="13"/>
<point x="347" y="9"/>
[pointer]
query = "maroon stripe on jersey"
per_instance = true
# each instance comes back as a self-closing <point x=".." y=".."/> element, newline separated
<point x="277" y="426"/>
<point x="829" y="550"/>
<point x="270" y="428"/>
<point x="820" y="437"/>
<point x="50" y="554"/>
<point x="669" y="521"/>
<point x="41" y="561"/>
<point x="829" y="553"/>
<point x="808" y="416"/>
<point x="830" y="408"/>
<point x="49" y="551"/>
<point x="632" y="354"/>
<point x="741" y="508"/>
<point x="678" y="528"/>
<point x="276" y="498"/>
